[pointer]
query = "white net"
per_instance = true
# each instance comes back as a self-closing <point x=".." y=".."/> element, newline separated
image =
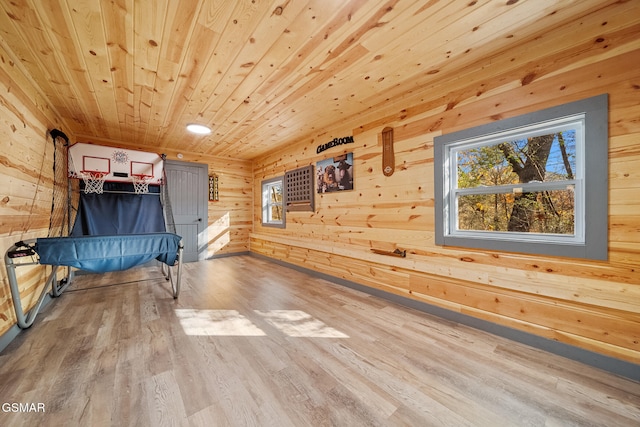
<point x="141" y="183"/>
<point x="93" y="181"/>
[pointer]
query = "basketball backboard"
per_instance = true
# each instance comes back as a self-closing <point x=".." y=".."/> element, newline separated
<point x="117" y="164"/>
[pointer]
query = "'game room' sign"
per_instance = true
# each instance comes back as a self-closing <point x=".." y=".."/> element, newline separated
<point x="335" y="142"/>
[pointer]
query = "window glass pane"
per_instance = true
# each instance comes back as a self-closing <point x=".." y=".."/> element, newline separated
<point x="561" y="163"/>
<point x="546" y="212"/>
<point x="540" y="158"/>
<point x="275" y="213"/>
<point x="484" y="167"/>
<point x="275" y="193"/>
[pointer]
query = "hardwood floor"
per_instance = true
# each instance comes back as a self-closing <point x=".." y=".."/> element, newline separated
<point x="250" y="343"/>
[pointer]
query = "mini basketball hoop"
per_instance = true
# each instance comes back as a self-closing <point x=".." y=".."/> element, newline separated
<point x="93" y="181"/>
<point x="141" y="183"/>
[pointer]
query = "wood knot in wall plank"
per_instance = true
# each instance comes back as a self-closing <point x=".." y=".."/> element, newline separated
<point x="528" y="79"/>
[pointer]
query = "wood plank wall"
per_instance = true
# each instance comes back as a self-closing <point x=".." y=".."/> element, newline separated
<point x="589" y="304"/>
<point x="26" y="176"/>
<point x="230" y="218"/>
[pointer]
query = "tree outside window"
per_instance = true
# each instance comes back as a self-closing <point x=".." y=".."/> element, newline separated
<point x="535" y="183"/>
<point x="499" y="169"/>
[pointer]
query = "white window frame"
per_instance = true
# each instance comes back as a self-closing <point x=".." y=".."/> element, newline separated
<point x="577" y="184"/>
<point x="590" y="119"/>
<point x="267" y="220"/>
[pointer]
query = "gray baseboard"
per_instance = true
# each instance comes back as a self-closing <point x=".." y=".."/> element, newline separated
<point x="606" y="363"/>
<point x="8" y="336"/>
<point x="226" y="255"/>
<point x="14" y="331"/>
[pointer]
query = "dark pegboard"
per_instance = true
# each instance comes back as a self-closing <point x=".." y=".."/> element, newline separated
<point x="299" y="189"/>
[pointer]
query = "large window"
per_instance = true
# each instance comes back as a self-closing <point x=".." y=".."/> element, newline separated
<point x="534" y="183"/>
<point x="273" y="212"/>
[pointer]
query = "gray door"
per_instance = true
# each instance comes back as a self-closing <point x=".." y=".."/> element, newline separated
<point x="187" y="185"/>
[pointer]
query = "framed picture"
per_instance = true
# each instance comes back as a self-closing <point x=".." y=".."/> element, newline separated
<point x="335" y="174"/>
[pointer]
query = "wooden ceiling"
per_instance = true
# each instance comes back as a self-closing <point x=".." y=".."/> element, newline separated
<point x="260" y="73"/>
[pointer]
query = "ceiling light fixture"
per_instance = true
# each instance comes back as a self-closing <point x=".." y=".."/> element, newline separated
<point x="199" y="129"/>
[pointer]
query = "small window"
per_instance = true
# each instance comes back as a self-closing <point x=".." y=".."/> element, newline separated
<point x="273" y="212"/>
<point x="530" y="184"/>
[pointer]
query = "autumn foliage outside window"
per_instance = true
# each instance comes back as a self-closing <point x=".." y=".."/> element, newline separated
<point x="535" y="183"/>
<point x="490" y="189"/>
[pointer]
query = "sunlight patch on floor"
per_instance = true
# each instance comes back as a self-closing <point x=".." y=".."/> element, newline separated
<point x="297" y="323"/>
<point x="217" y="323"/>
<point x="293" y="323"/>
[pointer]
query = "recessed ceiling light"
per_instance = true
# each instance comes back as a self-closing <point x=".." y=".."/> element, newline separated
<point x="199" y="129"/>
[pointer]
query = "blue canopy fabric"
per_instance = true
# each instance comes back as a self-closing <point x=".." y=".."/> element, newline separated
<point x="101" y="254"/>
<point x="119" y="211"/>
